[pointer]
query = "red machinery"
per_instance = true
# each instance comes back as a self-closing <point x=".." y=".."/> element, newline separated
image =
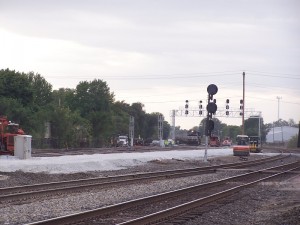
<point x="7" y="132"/>
<point x="214" y="141"/>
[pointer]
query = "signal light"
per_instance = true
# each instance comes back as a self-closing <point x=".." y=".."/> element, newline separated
<point x="186" y="107"/>
<point x="186" y="104"/>
<point x="227" y="107"/>
<point x="241" y="107"/>
<point x="211" y="107"/>
<point x="212" y="89"/>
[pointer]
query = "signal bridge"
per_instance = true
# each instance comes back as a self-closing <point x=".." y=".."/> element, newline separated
<point x="221" y="112"/>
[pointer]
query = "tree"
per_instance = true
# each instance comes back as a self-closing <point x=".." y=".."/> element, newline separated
<point x="136" y="110"/>
<point x="16" y="85"/>
<point x="252" y="127"/>
<point x="281" y="123"/>
<point x="292" y="143"/>
<point x="64" y="97"/>
<point x="232" y="131"/>
<point x="93" y="97"/>
<point x="166" y="130"/>
<point x="150" y="129"/>
<point x="68" y="128"/>
<point x="41" y="89"/>
<point x="120" y="117"/>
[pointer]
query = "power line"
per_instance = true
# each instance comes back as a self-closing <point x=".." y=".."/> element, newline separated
<point x="181" y="75"/>
<point x="272" y="73"/>
<point x="148" y="77"/>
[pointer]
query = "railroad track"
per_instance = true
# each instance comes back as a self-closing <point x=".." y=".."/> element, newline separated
<point x="169" y="206"/>
<point x="27" y="192"/>
<point x="60" y="152"/>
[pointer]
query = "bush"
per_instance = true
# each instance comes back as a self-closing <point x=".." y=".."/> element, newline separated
<point x="292" y="143"/>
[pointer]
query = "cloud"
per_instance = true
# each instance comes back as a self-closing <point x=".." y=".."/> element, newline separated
<point x="159" y="51"/>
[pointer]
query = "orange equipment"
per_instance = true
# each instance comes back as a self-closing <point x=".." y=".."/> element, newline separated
<point x="7" y="132"/>
<point x="242" y="148"/>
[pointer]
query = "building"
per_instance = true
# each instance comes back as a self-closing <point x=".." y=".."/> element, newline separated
<point x="281" y="134"/>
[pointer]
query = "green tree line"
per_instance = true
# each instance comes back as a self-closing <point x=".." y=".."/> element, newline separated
<point x="88" y="115"/>
<point x="85" y="116"/>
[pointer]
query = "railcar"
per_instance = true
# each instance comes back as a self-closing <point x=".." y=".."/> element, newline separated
<point x="192" y="138"/>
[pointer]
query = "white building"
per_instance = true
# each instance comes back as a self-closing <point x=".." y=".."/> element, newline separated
<point x="281" y="134"/>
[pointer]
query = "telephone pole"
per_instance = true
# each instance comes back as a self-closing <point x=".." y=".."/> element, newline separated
<point x="278" y="98"/>
<point x="243" y="116"/>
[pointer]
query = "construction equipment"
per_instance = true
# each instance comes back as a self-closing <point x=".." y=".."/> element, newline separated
<point x="255" y="143"/>
<point x="8" y="131"/>
<point x="214" y="141"/>
<point x="226" y="142"/>
<point x="242" y="147"/>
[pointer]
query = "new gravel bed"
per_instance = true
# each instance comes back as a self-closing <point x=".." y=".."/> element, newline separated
<point x="266" y="203"/>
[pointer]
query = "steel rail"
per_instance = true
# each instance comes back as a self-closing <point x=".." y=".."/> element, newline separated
<point x="25" y="192"/>
<point x="163" y="215"/>
<point x="82" y="216"/>
<point x="98" y="181"/>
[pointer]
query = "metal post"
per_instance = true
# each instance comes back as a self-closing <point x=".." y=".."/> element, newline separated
<point x="281" y="134"/>
<point x="131" y="130"/>
<point x="206" y="135"/>
<point x="273" y="134"/>
<point x="278" y="98"/>
<point x="205" y="152"/>
<point x="160" y="130"/>
<point x="243" y="118"/>
<point x="259" y="130"/>
<point x="173" y="125"/>
<point x="298" y="144"/>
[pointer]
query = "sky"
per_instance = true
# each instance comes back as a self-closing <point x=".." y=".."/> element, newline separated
<point x="162" y="53"/>
<point x="100" y="162"/>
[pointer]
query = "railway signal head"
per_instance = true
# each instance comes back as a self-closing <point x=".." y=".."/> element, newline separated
<point x="186" y="107"/>
<point x="212" y="89"/>
<point x="211" y="107"/>
<point x="209" y="127"/>
<point x="227" y="107"/>
<point x="200" y="107"/>
<point x="241" y="107"/>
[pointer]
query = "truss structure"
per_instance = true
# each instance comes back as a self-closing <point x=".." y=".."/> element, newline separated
<point x="221" y="112"/>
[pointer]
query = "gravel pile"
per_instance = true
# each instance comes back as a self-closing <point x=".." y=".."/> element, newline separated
<point x="251" y="208"/>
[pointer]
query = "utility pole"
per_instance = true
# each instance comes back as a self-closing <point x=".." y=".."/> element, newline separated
<point x="131" y="130"/>
<point x="278" y="98"/>
<point x="243" y="116"/>
<point x="160" y="130"/>
<point x="298" y="144"/>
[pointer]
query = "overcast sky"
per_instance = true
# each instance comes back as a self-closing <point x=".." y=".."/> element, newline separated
<point x="164" y="52"/>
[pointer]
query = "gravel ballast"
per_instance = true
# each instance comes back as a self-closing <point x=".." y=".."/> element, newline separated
<point x="276" y="203"/>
